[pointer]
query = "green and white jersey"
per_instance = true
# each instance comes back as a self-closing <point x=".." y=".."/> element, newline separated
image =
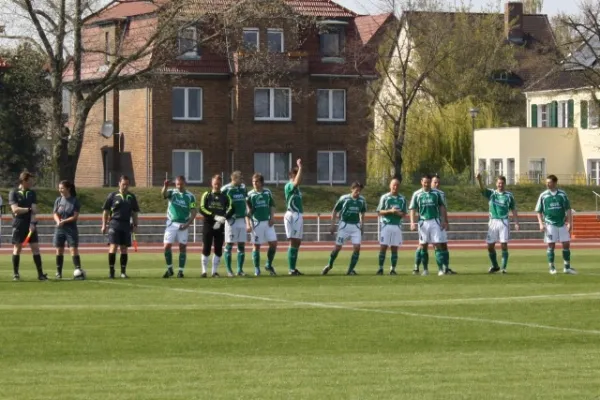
<point x="260" y="204"/>
<point x="554" y="207"/>
<point x="388" y="202"/>
<point x="351" y="208"/>
<point x="293" y="198"/>
<point x="238" y="195"/>
<point x="180" y="205"/>
<point x="500" y="203"/>
<point x="427" y="204"/>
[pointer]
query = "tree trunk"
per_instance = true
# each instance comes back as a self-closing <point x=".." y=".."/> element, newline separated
<point x="399" y="133"/>
<point x="69" y="145"/>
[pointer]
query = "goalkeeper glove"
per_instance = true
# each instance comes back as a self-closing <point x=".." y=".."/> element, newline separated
<point x="220" y="220"/>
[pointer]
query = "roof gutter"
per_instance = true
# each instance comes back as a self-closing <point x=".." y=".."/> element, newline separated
<point x="557" y="90"/>
<point x="343" y="76"/>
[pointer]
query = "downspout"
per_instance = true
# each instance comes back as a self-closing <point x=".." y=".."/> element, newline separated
<point x="148" y="167"/>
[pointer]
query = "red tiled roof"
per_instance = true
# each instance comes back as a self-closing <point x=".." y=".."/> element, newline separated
<point x="123" y="9"/>
<point x="368" y="25"/>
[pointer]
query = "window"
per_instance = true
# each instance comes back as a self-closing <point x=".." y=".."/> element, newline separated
<point x="331" y="105"/>
<point x="594" y="171"/>
<point x="496" y="168"/>
<point x="189" y="164"/>
<point x="251" y="39"/>
<point x="273" y="166"/>
<point x="510" y="171"/>
<point x="106" y="48"/>
<point x="563" y="114"/>
<point x="187" y="104"/>
<point x="536" y="169"/>
<point x="593" y="115"/>
<point x="188" y="42"/>
<point x="483" y="169"/>
<point x="544" y="115"/>
<point x="66" y="103"/>
<point x="275" y="40"/>
<point x="331" y="167"/>
<point x="272" y="104"/>
<point x="332" y="41"/>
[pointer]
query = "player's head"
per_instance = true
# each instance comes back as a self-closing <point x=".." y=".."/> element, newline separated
<point x="426" y="181"/>
<point x="216" y="182"/>
<point x="394" y="186"/>
<point x="66" y="189"/>
<point x="293" y="172"/>
<point x="356" y="188"/>
<point x="26" y="179"/>
<point x="258" y="181"/>
<point x="180" y="183"/>
<point x="123" y="183"/>
<point x="551" y="182"/>
<point x="435" y="181"/>
<point x="236" y="178"/>
<point x="500" y="183"/>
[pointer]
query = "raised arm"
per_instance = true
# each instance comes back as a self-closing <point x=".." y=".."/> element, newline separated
<point x="480" y="181"/>
<point x="165" y="189"/>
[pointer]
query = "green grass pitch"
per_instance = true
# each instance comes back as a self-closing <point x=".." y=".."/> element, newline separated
<point x="524" y="335"/>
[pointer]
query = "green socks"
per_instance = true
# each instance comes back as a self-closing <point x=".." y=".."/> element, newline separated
<point x="270" y="256"/>
<point x="394" y="259"/>
<point x="439" y="259"/>
<point x="381" y="258"/>
<point x="504" y="259"/>
<point x="241" y="257"/>
<point x="292" y="258"/>
<point x="425" y="258"/>
<point x="256" y="258"/>
<point x="228" y="248"/>
<point x="353" y="261"/>
<point x="169" y="258"/>
<point x="418" y="258"/>
<point x="567" y="258"/>
<point x="550" y="256"/>
<point x="493" y="258"/>
<point x="182" y="260"/>
<point x="332" y="258"/>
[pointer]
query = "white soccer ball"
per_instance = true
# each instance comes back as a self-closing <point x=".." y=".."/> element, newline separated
<point x="79" y="274"/>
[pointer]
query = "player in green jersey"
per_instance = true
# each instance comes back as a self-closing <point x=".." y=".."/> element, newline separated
<point x="235" y="229"/>
<point x="435" y="185"/>
<point x="181" y="212"/>
<point x="260" y="220"/>
<point x="391" y="210"/>
<point x="293" y="220"/>
<point x="430" y="206"/>
<point x="556" y="219"/>
<point x="500" y="203"/>
<point x="351" y="209"/>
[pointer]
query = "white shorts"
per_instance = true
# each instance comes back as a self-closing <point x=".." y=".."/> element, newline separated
<point x="236" y="232"/>
<point x="294" y="225"/>
<point x="348" y="231"/>
<point x="263" y="233"/>
<point x="556" y="234"/>
<point x="498" y="231"/>
<point x="174" y="234"/>
<point x="430" y="231"/>
<point x="390" y="235"/>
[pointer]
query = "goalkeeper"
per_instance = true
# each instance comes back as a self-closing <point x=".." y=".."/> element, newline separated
<point x="216" y="207"/>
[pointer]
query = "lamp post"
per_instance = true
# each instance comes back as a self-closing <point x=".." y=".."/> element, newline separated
<point x="473" y="112"/>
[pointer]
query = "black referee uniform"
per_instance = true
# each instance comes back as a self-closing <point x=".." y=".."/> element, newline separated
<point x="211" y="205"/>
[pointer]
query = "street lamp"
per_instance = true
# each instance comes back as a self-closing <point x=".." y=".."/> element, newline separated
<point x="473" y="112"/>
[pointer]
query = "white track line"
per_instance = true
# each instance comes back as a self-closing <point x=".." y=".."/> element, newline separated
<point x="368" y="310"/>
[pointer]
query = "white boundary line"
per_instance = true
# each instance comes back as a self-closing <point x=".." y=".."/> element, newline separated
<point x="368" y="310"/>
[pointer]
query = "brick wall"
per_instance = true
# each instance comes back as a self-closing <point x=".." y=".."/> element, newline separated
<point x="134" y="157"/>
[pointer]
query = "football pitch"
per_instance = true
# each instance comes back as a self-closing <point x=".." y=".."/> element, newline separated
<point x="524" y="335"/>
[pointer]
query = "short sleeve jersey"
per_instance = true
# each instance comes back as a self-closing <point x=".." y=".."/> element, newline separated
<point x="389" y="202"/>
<point x="350" y="208"/>
<point x="181" y="205"/>
<point x="293" y="198"/>
<point x="260" y="204"/>
<point x="238" y="195"/>
<point x="23" y="199"/>
<point x="121" y="206"/>
<point x="427" y="204"/>
<point x="66" y="207"/>
<point x="554" y="207"/>
<point x="500" y="203"/>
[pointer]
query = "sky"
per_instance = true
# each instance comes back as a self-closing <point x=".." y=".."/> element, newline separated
<point x="550" y="7"/>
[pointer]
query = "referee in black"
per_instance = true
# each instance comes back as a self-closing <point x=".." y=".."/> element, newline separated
<point x="120" y="210"/>
<point x="24" y="208"/>
<point x="216" y="208"/>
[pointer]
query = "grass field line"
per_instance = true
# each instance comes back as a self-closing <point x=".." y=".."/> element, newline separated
<point x="366" y="310"/>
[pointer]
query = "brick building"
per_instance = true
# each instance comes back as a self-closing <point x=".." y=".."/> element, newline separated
<point x="198" y="116"/>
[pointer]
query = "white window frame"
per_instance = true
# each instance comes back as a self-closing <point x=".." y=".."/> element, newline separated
<point x="330" y="153"/>
<point x="190" y="53"/>
<point x="253" y="30"/>
<point x="563" y="114"/>
<point x="273" y="177"/>
<point x="330" y="119"/>
<point x="544" y="116"/>
<point x="530" y="172"/>
<point x="279" y="31"/>
<point x="592" y="108"/>
<point x="187" y="164"/>
<point x="496" y="172"/>
<point x="510" y="174"/>
<point x="186" y="116"/>
<point x="271" y="116"/>
<point x="590" y="163"/>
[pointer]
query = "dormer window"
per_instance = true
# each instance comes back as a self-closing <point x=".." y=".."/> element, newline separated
<point x="332" y="38"/>
<point x="188" y="42"/>
<point x="250" y="39"/>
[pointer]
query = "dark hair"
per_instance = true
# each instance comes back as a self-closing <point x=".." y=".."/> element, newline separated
<point x="180" y="178"/>
<point x="217" y="176"/>
<point x="293" y="172"/>
<point x="123" y="178"/>
<point x="70" y="187"/>
<point x="425" y="176"/>
<point x="258" y="176"/>
<point x="501" y="178"/>
<point x="436" y="176"/>
<point x="356" y="184"/>
<point x="25" y="175"/>
<point x="553" y="178"/>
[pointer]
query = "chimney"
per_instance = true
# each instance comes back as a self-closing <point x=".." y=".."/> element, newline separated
<point x="513" y="21"/>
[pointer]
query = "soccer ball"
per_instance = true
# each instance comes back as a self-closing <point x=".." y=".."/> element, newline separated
<point x="79" y="274"/>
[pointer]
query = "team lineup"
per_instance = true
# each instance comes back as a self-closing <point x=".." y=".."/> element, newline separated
<point x="231" y="212"/>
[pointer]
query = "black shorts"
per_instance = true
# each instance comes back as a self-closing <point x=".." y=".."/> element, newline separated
<point x="68" y="235"/>
<point x="20" y="232"/>
<point x="119" y="234"/>
<point x="212" y="237"/>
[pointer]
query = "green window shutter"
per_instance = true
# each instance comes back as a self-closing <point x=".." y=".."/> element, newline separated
<point x="583" y="106"/>
<point x="571" y="108"/>
<point x="534" y="116"/>
<point x="553" y="114"/>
